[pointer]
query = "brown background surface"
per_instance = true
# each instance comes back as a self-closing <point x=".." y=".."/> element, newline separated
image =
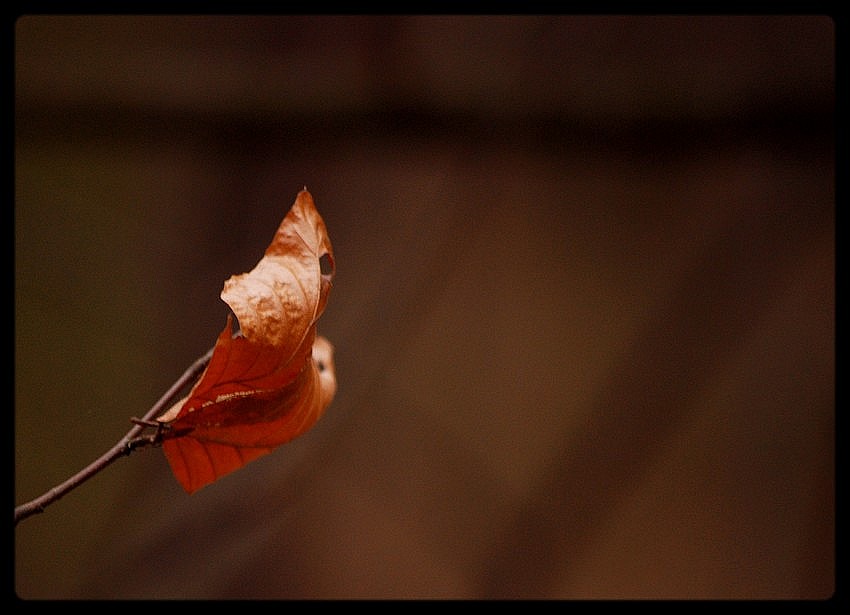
<point x="584" y="310"/>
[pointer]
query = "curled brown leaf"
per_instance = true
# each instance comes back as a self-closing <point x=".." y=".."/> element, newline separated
<point x="272" y="382"/>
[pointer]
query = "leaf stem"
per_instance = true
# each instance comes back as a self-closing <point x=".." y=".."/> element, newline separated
<point x="131" y="441"/>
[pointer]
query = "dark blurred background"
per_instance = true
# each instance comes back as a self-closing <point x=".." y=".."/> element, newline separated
<point x="584" y="310"/>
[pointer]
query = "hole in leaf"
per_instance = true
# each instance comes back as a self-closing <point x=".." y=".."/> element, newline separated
<point x="325" y="264"/>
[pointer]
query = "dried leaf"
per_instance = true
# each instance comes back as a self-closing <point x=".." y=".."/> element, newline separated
<point x="270" y="384"/>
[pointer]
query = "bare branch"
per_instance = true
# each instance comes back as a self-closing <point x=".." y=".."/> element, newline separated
<point x="133" y="440"/>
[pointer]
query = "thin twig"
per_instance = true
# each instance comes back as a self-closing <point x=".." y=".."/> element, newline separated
<point x="133" y="440"/>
